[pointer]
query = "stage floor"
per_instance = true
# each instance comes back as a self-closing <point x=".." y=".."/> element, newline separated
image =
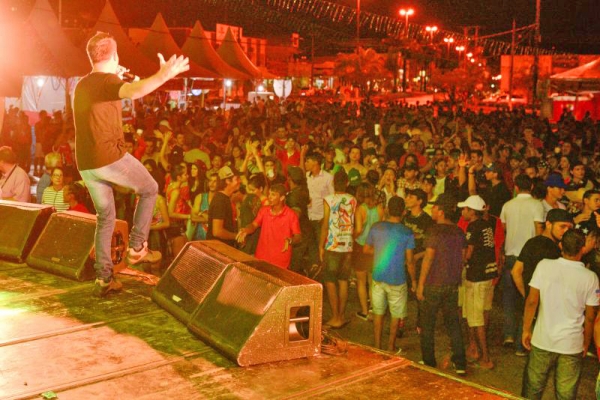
<point x="55" y="337"/>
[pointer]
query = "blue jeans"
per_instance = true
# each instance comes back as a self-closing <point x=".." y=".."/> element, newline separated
<point x="566" y="375"/>
<point x="513" y="323"/>
<point x="128" y="173"/>
<point x="443" y="298"/>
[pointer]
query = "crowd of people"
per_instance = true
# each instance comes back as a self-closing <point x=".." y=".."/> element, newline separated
<point x="436" y="200"/>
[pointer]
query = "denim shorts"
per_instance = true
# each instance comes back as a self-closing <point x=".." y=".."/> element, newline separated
<point x="337" y="266"/>
<point x="384" y="294"/>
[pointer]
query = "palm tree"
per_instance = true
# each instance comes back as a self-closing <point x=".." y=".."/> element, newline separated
<point x="359" y="69"/>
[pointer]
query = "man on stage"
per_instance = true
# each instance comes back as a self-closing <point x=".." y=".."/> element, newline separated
<point x="101" y="156"/>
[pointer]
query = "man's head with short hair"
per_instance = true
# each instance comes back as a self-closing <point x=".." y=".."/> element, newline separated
<point x="277" y="194"/>
<point x="396" y="206"/>
<point x="447" y="204"/>
<point x="573" y="242"/>
<point x="8" y="159"/>
<point x="101" y="47"/>
<point x="523" y="183"/>
<point x="420" y="198"/>
<point x="591" y="200"/>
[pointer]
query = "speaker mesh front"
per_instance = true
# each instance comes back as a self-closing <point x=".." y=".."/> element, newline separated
<point x="20" y="226"/>
<point x="67" y="242"/>
<point x="197" y="272"/>
<point x="189" y="279"/>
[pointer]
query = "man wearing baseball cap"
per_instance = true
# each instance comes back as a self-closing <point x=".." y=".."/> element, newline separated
<point x="439" y="281"/>
<point x="221" y="222"/>
<point x="555" y="190"/>
<point x="558" y="221"/>
<point x="481" y="271"/>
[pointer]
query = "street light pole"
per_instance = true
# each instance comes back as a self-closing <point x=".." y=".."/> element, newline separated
<point x="431" y="30"/>
<point x="448" y="41"/>
<point x="406" y="13"/>
<point x="357" y="26"/>
<point x="460" y="50"/>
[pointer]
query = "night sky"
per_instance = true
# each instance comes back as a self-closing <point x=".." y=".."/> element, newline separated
<point x="569" y="25"/>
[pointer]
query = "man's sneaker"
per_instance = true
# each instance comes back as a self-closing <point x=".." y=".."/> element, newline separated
<point x="145" y="255"/>
<point x="509" y="341"/>
<point x="101" y="288"/>
<point x="520" y="353"/>
<point x="460" y="371"/>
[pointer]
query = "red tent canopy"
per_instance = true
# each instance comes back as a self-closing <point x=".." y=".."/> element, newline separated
<point x="129" y="55"/>
<point x="198" y="48"/>
<point x="159" y="40"/>
<point x="233" y="54"/>
<point x="584" y="77"/>
<point x="44" y="49"/>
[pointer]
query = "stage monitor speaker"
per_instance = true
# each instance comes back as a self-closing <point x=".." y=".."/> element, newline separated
<point x="66" y="246"/>
<point x="20" y="226"/>
<point x="259" y="313"/>
<point x="192" y="274"/>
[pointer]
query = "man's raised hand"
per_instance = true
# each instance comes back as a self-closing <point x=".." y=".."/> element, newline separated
<point x="174" y="66"/>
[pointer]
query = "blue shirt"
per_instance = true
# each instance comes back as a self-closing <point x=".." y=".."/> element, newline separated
<point x="390" y="241"/>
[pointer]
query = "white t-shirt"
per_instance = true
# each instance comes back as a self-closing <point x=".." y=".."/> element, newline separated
<point x="566" y="288"/>
<point x="548" y="207"/>
<point x="520" y="215"/>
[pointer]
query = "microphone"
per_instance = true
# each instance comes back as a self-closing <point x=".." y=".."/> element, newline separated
<point x="125" y="75"/>
<point x="129" y="77"/>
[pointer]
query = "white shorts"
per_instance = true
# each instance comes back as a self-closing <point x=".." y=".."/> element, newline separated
<point x="478" y="299"/>
<point x="394" y="295"/>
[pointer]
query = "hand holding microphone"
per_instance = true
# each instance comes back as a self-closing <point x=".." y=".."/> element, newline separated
<point x="125" y="75"/>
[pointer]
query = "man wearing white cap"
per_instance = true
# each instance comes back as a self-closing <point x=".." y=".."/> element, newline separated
<point x="481" y="270"/>
<point x="162" y="129"/>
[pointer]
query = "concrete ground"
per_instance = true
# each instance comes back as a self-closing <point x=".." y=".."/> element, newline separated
<point x="508" y="372"/>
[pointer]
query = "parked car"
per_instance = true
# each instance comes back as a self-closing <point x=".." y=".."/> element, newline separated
<point x="502" y="99"/>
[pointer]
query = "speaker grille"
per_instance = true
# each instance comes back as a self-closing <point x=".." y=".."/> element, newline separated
<point x="241" y="298"/>
<point x="67" y="241"/>
<point x="20" y="225"/>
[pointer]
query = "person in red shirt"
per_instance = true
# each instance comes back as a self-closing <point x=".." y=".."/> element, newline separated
<point x="280" y="229"/>
<point x="74" y="195"/>
<point x="290" y="155"/>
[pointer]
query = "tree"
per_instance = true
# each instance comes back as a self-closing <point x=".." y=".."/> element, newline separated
<point x="460" y="82"/>
<point x="361" y="68"/>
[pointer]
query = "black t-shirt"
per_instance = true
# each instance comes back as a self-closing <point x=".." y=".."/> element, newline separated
<point x="98" y="121"/>
<point x="221" y="208"/>
<point x="298" y="200"/>
<point x="419" y="225"/>
<point x="482" y="265"/>
<point x="496" y="196"/>
<point x="535" y="250"/>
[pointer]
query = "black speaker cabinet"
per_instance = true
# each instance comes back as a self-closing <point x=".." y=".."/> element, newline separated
<point x="192" y="274"/>
<point x="20" y="226"/>
<point x="65" y="246"/>
<point x="259" y="313"/>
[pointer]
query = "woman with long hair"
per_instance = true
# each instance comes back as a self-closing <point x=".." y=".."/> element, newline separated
<point x="367" y="213"/>
<point x="199" y="215"/>
<point x="387" y="184"/>
<point x="178" y="200"/>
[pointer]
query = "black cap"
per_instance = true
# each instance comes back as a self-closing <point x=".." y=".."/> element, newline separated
<point x="558" y="215"/>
